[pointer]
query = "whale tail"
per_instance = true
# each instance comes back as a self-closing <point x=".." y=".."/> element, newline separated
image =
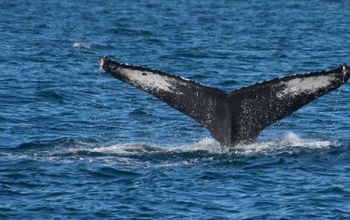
<point x="241" y="115"/>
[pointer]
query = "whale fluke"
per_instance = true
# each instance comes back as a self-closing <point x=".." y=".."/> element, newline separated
<point x="237" y="117"/>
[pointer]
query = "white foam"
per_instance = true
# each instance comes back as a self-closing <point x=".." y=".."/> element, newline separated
<point x="207" y="144"/>
<point x="131" y="153"/>
<point x="82" y="45"/>
<point x="299" y="86"/>
<point x="290" y="143"/>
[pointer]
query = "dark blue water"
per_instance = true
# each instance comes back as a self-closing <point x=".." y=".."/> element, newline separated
<point x="77" y="143"/>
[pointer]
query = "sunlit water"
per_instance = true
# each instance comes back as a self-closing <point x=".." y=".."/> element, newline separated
<point x="77" y="143"/>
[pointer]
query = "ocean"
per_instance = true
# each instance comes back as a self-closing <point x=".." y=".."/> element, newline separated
<point x="78" y="144"/>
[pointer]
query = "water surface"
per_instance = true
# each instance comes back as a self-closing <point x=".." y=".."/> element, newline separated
<point x="76" y="143"/>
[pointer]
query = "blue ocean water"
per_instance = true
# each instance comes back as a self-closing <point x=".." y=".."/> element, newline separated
<point x="78" y="144"/>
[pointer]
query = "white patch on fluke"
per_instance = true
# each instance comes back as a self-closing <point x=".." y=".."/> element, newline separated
<point x="151" y="81"/>
<point x="298" y="86"/>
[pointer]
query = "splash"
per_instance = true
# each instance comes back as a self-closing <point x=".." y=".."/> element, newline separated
<point x="82" y="45"/>
<point x="137" y="154"/>
<point x="207" y="145"/>
<point x="290" y="143"/>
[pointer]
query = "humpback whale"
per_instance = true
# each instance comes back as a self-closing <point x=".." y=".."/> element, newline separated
<point x="238" y="116"/>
